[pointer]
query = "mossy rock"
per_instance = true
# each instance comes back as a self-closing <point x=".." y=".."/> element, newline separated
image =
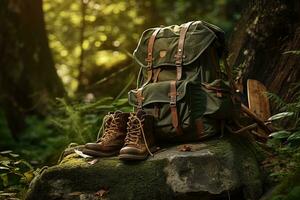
<point x="214" y="169"/>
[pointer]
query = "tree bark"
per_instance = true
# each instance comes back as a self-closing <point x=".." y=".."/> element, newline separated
<point x="28" y="78"/>
<point x="261" y="45"/>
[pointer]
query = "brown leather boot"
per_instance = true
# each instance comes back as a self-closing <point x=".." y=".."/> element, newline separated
<point x="112" y="140"/>
<point x="139" y="141"/>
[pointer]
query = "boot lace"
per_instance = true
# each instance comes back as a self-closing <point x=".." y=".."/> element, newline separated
<point x="110" y="127"/>
<point x="135" y="132"/>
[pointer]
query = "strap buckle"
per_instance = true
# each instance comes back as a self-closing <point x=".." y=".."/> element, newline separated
<point x="173" y="101"/>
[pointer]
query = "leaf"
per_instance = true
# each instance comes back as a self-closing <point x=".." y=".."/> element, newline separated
<point x="292" y="52"/>
<point x="4" y="178"/>
<point x="280" y="116"/>
<point x="29" y="176"/>
<point x="120" y="102"/>
<point x="7" y="194"/>
<point x="27" y="164"/>
<point x="102" y="192"/>
<point x="93" y="161"/>
<point x="294" y="136"/>
<point x="280" y="134"/>
<point x="185" y="148"/>
<point x="17" y="162"/>
<point x="75" y="193"/>
<point x="14" y="155"/>
<point x="5" y="163"/>
<point x="4" y="168"/>
<point x="81" y="154"/>
<point x="6" y="152"/>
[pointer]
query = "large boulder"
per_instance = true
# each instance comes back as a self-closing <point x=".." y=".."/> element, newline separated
<point x="221" y="168"/>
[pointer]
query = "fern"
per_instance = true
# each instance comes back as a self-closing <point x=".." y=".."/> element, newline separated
<point x="278" y="102"/>
<point x="80" y="121"/>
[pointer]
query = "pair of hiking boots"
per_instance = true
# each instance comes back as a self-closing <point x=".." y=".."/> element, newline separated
<point x="129" y="135"/>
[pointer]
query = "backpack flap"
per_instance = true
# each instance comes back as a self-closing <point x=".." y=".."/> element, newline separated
<point x="156" y="93"/>
<point x="158" y="99"/>
<point x="199" y="36"/>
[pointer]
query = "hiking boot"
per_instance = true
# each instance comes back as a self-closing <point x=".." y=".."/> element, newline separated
<point x="139" y="141"/>
<point x="112" y="140"/>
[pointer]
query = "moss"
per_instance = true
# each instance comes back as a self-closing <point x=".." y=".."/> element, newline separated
<point x="147" y="180"/>
<point x="124" y="181"/>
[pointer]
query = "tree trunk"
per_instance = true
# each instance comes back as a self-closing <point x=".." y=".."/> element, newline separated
<point x="262" y="42"/>
<point x="28" y="78"/>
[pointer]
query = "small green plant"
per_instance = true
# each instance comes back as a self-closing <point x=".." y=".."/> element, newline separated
<point x="15" y="176"/>
<point x="40" y="144"/>
<point x="80" y="122"/>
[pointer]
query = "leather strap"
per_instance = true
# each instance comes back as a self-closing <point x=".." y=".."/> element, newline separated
<point x="174" y="114"/>
<point x="139" y="97"/>
<point x="156" y="74"/>
<point x="179" y="54"/>
<point x="149" y="58"/>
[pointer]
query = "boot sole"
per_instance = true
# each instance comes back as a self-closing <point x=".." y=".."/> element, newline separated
<point x="132" y="157"/>
<point x="99" y="153"/>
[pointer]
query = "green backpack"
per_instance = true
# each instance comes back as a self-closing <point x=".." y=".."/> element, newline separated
<point x="180" y="82"/>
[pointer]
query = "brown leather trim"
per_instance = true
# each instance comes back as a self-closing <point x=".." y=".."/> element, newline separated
<point x="156" y="74"/>
<point x="173" y="107"/>
<point x="139" y="97"/>
<point x="199" y="128"/>
<point x="179" y="56"/>
<point x="149" y="58"/>
<point x="179" y="72"/>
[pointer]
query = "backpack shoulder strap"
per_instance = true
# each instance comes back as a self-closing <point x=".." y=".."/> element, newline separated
<point x="179" y="55"/>
<point x="149" y="58"/>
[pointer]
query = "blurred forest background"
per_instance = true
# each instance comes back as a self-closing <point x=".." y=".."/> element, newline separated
<point x="64" y="64"/>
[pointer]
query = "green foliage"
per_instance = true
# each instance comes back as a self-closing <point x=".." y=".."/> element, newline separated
<point x="44" y="139"/>
<point x="288" y="189"/>
<point x="6" y="139"/>
<point x="111" y="28"/>
<point x="285" y="140"/>
<point x="40" y="143"/>
<point x="15" y="176"/>
<point x="220" y="12"/>
<point x="281" y="105"/>
<point x="69" y="122"/>
<point x="80" y="121"/>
